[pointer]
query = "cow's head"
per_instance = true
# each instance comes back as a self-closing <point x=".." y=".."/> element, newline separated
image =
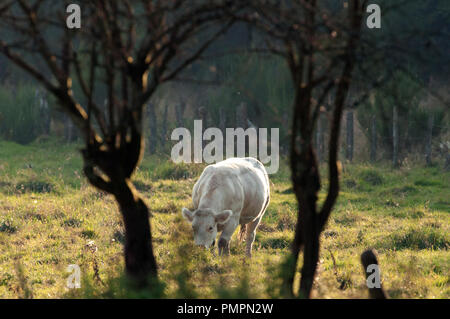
<point x="204" y="223"/>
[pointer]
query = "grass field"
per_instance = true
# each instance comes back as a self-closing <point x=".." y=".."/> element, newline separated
<point x="50" y="218"/>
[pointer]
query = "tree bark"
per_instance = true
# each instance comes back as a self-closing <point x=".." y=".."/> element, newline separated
<point x="349" y="128"/>
<point x="311" y="234"/>
<point x="395" y="162"/>
<point x="428" y="145"/>
<point x="139" y="259"/>
<point x="306" y="184"/>
<point x="373" y="139"/>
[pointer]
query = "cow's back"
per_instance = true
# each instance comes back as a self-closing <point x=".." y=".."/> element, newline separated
<point x="239" y="184"/>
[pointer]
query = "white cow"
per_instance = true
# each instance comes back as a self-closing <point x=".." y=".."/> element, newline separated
<point x="232" y="192"/>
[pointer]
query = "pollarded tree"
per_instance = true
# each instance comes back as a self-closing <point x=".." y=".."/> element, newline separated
<point x="121" y="54"/>
<point x="319" y="41"/>
<point x="324" y="46"/>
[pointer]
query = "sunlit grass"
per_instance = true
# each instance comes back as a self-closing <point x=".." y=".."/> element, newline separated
<point x="49" y="214"/>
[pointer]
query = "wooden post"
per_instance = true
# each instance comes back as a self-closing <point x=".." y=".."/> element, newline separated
<point x="350" y="135"/>
<point x="68" y="128"/>
<point x="373" y="139"/>
<point x="395" y="137"/>
<point x="429" y="137"/>
<point x="368" y="258"/>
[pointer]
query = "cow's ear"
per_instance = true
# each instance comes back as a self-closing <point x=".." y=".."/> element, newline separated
<point x="223" y="217"/>
<point x="187" y="214"/>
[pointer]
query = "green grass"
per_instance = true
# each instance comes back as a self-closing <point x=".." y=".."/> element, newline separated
<point x="50" y="218"/>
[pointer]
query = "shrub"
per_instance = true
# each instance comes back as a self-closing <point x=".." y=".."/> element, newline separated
<point x="34" y="187"/>
<point x="7" y="226"/>
<point x="424" y="182"/>
<point x="372" y="177"/>
<point x="142" y="186"/>
<point x="413" y="238"/>
<point x="275" y="243"/>
<point x="88" y="234"/>
<point x="21" y="118"/>
<point x="72" y="222"/>
<point x="170" y="170"/>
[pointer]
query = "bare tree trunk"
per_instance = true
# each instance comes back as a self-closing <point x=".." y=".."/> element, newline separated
<point x="373" y="139"/>
<point x="140" y="262"/>
<point x="305" y="171"/>
<point x="153" y="136"/>
<point x="428" y="145"/>
<point x="114" y="143"/>
<point x="139" y="259"/>
<point x="349" y="154"/>
<point x="395" y="162"/>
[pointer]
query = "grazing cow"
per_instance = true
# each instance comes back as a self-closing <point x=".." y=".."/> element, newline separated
<point x="232" y="192"/>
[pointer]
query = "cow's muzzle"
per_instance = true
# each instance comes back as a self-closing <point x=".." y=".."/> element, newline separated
<point x="210" y="246"/>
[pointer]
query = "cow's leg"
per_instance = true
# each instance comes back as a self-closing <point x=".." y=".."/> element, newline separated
<point x="251" y="233"/>
<point x="228" y="230"/>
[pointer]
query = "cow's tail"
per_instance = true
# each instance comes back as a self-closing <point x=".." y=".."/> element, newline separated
<point x="242" y="232"/>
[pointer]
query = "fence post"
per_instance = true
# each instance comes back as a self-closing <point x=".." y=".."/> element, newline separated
<point x="428" y="145"/>
<point x="373" y="139"/>
<point x="350" y="135"/>
<point x="395" y="137"/>
<point x="369" y="258"/>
